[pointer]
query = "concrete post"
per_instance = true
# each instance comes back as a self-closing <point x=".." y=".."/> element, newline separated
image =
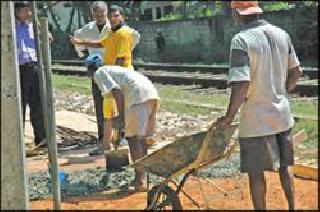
<point x="49" y="101"/>
<point x="14" y="189"/>
<point x="41" y="74"/>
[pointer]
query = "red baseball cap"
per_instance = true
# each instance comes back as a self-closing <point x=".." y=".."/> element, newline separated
<point x="246" y="7"/>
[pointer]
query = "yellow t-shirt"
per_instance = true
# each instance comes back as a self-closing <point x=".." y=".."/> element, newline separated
<point x="118" y="45"/>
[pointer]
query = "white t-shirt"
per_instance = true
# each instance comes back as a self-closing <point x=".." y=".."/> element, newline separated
<point x="262" y="54"/>
<point x="136" y="87"/>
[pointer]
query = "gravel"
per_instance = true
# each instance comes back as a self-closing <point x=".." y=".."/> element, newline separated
<point x="170" y="126"/>
<point x="90" y="181"/>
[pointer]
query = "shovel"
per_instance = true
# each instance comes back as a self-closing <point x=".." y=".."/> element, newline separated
<point x="119" y="156"/>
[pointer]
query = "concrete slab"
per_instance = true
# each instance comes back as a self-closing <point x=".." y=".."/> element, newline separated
<point x="76" y="121"/>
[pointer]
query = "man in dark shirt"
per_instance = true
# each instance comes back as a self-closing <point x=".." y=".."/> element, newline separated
<point x="161" y="45"/>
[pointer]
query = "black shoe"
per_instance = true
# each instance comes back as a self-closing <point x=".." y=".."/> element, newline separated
<point x="41" y="145"/>
<point x="98" y="151"/>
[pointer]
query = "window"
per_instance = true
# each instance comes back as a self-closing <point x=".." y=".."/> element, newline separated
<point x="158" y="13"/>
<point x="168" y="10"/>
<point x="147" y="14"/>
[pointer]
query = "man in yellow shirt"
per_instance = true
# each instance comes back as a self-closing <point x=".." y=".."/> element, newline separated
<point x="118" y="46"/>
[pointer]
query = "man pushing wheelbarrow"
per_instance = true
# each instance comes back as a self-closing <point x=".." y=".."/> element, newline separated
<point x="136" y="103"/>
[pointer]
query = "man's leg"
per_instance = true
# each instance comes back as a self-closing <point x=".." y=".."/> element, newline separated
<point x="98" y="104"/>
<point x="36" y="111"/>
<point x="138" y="149"/>
<point x="285" y="144"/>
<point x="23" y="89"/>
<point x="258" y="189"/>
<point x="287" y="183"/>
<point x="107" y="135"/>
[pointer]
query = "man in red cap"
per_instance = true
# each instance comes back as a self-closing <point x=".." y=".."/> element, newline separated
<point x="264" y="68"/>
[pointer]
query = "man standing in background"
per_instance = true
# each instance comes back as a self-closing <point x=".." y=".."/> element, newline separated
<point x="264" y="68"/>
<point x="98" y="29"/>
<point x="29" y="82"/>
<point x="161" y="45"/>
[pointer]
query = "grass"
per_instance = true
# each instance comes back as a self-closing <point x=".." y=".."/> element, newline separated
<point x="305" y="108"/>
<point x="82" y="85"/>
<point x="78" y="84"/>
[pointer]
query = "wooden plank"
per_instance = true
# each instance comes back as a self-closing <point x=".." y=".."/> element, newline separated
<point x="306" y="172"/>
<point x="80" y="158"/>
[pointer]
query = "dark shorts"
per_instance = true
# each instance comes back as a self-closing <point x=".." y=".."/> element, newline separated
<point x="266" y="153"/>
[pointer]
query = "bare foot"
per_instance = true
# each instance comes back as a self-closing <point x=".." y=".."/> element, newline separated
<point x="107" y="147"/>
<point x="151" y="142"/>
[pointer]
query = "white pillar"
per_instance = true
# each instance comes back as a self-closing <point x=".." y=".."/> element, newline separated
<point x="14" y="189"/>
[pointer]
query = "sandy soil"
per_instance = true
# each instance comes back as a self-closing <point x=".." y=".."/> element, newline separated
<point x="306" y="196"/>
<point x="306" y="191"/>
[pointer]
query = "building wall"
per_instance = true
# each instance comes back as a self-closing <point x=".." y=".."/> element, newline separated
<point x="207" y="40"/>
<point x="154" y="4"/>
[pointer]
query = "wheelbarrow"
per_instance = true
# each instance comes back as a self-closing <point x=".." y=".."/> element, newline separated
<point x="182" y="158"/>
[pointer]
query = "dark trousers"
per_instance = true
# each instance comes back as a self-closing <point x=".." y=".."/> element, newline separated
<point x="30" y="94"/>
<point x="98" y="104"/>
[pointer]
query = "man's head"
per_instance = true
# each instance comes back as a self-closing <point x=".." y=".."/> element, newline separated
<point x="116" y="16"/>
<point x="245" y="11"/>
<point x="93" y="62"/>
<point x="100" y="12"/>
<point x="22" y="11"/>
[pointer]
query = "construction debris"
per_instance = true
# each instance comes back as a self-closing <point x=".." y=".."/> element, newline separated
<point x="300" y="137"/>
<point x="80" y="158"/>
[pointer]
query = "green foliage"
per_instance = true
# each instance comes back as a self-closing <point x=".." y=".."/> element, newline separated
<point x="275" y="5"/>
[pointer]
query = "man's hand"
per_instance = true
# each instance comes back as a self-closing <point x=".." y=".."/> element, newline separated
<point x="50" y="37"/>
<point x="224" y="122"/>
<point x="117" y="122"/>
<point x="76" y="41"/>
<point x="293" y="77"/>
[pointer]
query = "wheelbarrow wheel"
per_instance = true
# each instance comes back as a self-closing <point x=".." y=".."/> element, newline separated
<point x="168" y="199"/>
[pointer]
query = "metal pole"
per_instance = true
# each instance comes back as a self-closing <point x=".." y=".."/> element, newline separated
<point x="14" y="189"/>
<point x="51" y="136"/>
<point x="41" y="74"/>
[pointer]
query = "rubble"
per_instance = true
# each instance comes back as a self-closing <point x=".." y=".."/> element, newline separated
<point x="90" y="181"/>
<point x="169" y="127"/>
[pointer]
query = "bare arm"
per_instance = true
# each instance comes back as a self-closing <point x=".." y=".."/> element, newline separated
<point x="293" y="77"/>
<point x="238" y="95"/>
<point x="119" y="97"/>
<point x="88" y="43"/>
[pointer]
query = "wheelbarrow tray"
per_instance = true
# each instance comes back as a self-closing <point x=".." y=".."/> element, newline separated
<point x="188" y="152"/>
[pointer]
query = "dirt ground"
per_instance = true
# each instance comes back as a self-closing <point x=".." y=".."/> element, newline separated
<point x="306" y="191"/>
<point x="306" y="196"/>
